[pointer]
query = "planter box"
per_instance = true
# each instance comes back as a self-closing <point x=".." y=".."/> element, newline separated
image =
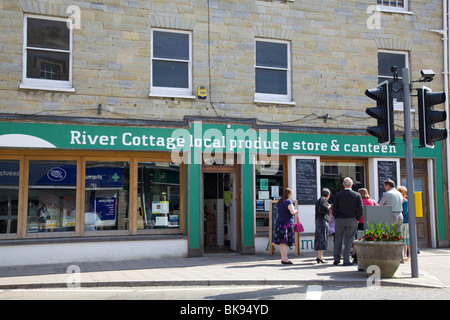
<point x="386" y="255"/>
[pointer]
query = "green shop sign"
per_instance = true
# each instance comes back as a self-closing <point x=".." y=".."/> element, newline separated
<point x="201" y="137"/>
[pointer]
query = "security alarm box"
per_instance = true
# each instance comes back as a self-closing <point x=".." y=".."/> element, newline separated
<point x="202" y="92"/>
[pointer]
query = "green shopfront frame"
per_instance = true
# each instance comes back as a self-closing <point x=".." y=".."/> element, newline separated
<point x="187" y="145"/>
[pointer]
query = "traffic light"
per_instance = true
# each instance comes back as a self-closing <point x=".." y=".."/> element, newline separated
<point x="428" y="117"/>
<point x="383" y="112"/>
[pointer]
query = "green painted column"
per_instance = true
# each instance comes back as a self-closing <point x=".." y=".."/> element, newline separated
<point x="193" y="188"/>
<point x="439" y="194"/>
<point x="248" y="242"/>
<point x="194" y="219"/>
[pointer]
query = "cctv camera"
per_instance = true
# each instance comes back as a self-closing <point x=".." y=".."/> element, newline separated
<point x="428" y="73"/>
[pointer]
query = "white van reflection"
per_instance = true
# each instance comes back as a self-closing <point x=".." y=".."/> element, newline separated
<point x="91" y="221"/>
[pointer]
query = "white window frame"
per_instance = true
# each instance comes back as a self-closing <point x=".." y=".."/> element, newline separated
<point x="276" y="98"/>
<point x="45" y="84"/>
<point x="166" y="91"/>
<point x="398" y="106"/>
<point x="399" y="9"/>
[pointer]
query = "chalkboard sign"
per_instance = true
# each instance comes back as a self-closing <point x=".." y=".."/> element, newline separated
<point x="273" y="215"/>
<point x="386" y="170"/>
<point x="306" y="181"/>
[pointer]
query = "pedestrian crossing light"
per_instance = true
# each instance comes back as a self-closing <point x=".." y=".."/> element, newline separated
<point x="428" y="117"/>
<point x="383" y="112"/>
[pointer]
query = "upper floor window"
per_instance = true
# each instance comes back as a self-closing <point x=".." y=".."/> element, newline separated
<point x="272" y="71"/>
<point x="386" y="60"/>
<point x="47" y="54"/>
<point x="171" y="57"/>
<point x="393" y="5"/>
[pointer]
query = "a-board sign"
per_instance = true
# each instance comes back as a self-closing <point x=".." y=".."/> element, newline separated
<point x="306" y="180"/>
<point x="273" y="215"/>
<point x="386" y="170"/>
<point x="376" y="214"/>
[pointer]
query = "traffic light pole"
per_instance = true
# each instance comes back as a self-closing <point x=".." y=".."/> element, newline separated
<point x="410" y="173"/>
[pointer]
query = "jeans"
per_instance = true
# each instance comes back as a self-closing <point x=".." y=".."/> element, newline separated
<point x="345" y="232"/>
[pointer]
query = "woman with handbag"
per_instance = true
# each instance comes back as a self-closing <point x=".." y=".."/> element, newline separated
<point x="283" y="232"/>
<point x="322" y="219"/>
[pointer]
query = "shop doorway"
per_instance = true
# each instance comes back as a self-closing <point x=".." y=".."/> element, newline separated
<point x="221" y="214"/>
<point x="423" y="225"/>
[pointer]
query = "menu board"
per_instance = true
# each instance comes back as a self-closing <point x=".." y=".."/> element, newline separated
<point x="273" y="216"/>
<point x="386" y="170"/>
<point x="306" y="178"/>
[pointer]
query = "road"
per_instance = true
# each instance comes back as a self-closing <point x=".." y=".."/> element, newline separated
<point x="263" y="292"/>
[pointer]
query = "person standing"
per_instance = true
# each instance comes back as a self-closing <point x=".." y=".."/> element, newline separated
<point x="347" y="210"/>
<point x="394" y="199"/>
<point x="283" y="233"/>
<point x="405" y="225"/>
<point x="367" y="201"/>
<point x="322" y="219"/>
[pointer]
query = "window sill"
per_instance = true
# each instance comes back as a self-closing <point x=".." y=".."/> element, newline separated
<point x="100" y="238"/>
<point x="168" y="95"/>
<point x="288" y="103"/>
<point x="393" y="10"/>
<point x="34" y="87"/>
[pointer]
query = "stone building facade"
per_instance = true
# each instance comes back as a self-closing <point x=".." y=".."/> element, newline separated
<point x="333" y="57"/>
<point x="299" y="67"/>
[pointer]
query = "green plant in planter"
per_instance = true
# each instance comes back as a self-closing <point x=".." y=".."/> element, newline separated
<point x="382" y="232"/>
<point x="380" y="246"/>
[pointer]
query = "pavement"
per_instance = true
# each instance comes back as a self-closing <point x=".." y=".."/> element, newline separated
<point x="225" y="269"/>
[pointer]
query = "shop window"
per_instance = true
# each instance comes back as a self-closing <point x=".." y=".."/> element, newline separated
<point x="272" y="71"/>
<point x="269" y="187"/>
<point x="51" y="196"/>
<point x="158" y="195"/>
<point x="333" y="173"/>
<point x="107" y="196"/>
<point x="171" y="63"/>
<point x="9" y="195"/>
<point x="47" y="54"/>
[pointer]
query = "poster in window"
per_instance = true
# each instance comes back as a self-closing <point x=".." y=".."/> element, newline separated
<point x="69" y="211"/>
<point x="106" y="210"/>
<point x="264" y="184"/>
<point x="160" y="207"/>
<point x="260" y="205"/>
